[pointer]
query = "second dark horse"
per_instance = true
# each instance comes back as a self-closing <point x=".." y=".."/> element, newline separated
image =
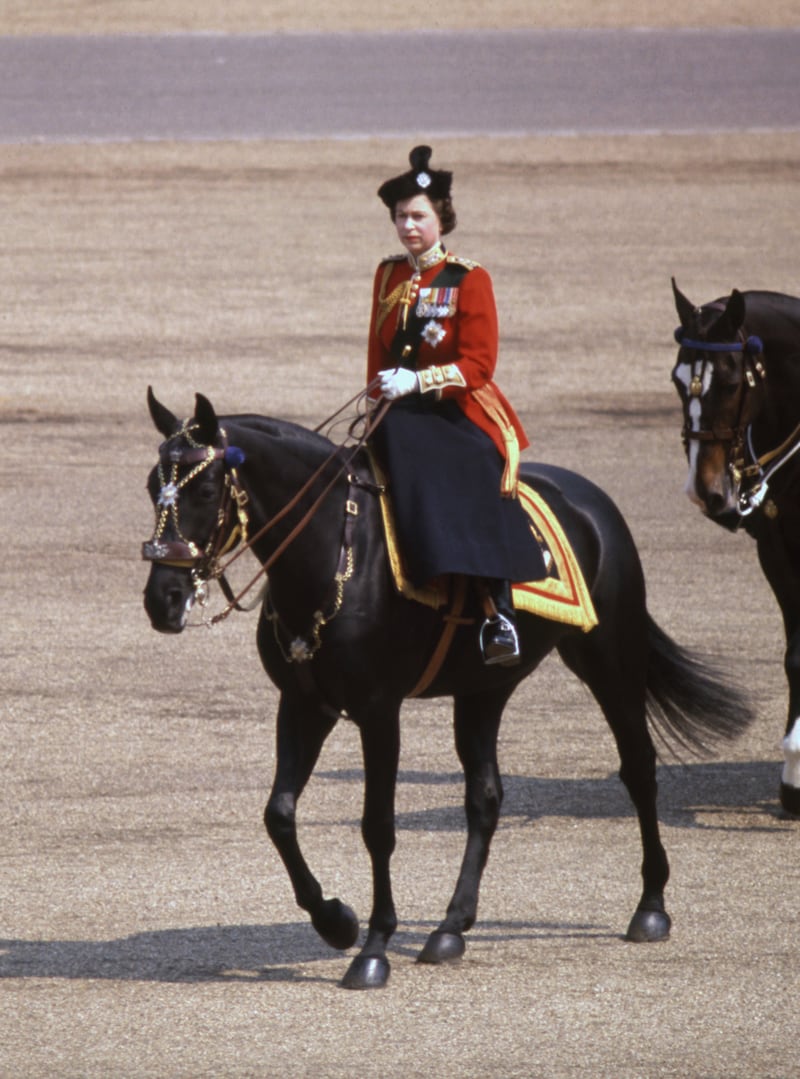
<point x="738" y="377"/>
<point x="338" y="640"/>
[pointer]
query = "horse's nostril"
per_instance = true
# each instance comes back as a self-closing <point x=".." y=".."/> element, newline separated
<point x="167" y="599"/>
<point x="715" y="504"/>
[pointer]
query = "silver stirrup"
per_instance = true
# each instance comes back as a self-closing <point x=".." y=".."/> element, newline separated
<point x="507" y="627"/>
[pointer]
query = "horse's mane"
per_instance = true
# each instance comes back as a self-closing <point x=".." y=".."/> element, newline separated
<point x="773" y="304"/>
<point x="774" y="316"/>
<point x="292" y="435"/>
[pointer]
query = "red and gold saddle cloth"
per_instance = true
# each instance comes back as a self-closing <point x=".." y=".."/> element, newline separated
<point x="561" y="596"/>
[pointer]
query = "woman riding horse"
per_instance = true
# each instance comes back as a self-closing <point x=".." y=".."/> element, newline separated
<point x="338" y="641"/>
<point x="450" y="443"/>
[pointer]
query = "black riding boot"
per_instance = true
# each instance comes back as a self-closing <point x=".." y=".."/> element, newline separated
<point x="499" y="640"/>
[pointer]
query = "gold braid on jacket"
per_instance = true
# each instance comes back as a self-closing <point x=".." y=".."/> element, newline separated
<point x="492" y="406"/>
<point x="387" y="304"/>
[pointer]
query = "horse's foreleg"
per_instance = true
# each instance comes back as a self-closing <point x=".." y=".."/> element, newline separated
<point x="380" y="740"/>
<point x="776" y="556"/>
<point x="790" y="777"/>
<point x="476" y="722"/>
<point x="301" y="731"/>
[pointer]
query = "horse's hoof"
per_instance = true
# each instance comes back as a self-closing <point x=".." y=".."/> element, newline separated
<point x="442" y="948"/>
<point x="367" y="972"/>
<point x="790" y="799"/>
<point x="648" y="926"/>
<point x="337" y="924"/>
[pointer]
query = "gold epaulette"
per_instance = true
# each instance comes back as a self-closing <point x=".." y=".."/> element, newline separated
<point x="394" y="258"/>
<point x="468" y="264"/>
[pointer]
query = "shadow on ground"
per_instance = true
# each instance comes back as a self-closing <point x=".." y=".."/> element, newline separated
<point x="241" y="953"/>
<point x="729" y="796"/>
<point x="739" y="795"/>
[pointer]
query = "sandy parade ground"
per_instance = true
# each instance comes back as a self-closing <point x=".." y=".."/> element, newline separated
<point x="148" y="928"/>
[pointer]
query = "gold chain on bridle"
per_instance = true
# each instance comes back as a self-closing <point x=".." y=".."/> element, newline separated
<point x="183" y="551"/>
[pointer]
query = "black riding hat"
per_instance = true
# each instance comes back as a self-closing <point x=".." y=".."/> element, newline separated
<point x="420" y="180"/>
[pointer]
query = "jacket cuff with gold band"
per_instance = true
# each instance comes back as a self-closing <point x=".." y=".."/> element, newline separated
<point x="434" y="379"/>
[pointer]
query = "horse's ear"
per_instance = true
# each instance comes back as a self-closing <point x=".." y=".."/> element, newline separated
<point x="206" y="419"/>
<point x="684" y="306"/>
<point x="734" y="312"/>
<point x="164" y="420"/>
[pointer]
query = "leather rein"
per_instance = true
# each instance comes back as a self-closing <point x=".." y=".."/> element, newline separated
<point x="750" y="479"/>
<point x="231" y="526"/>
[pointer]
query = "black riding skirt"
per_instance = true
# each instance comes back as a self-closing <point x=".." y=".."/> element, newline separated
<point x="444" y="476"/>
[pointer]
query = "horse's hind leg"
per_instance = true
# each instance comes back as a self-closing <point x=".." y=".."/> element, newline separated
<point x="476" y="721"/>
<point x="614" y="667"/>
<point x="301" y="731"/>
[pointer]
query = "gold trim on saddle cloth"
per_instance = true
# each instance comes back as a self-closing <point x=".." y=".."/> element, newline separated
<point x="561" y="596"/>
<point x="432" y="595"/>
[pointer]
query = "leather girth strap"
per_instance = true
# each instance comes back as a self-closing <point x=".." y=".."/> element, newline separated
<point x="451" y="622"/>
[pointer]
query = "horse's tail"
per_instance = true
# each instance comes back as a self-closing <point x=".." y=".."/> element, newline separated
<point x="691" y="703"/>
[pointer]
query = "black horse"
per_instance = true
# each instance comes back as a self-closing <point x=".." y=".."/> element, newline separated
<point x="738" y="376"/>
<point x="338" y="640"/>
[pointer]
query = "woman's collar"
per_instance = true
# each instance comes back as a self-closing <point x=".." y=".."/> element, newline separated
<point x="428" y="258"/>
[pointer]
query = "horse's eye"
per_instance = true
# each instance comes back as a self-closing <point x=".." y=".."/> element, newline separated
<point x="729" y="365"/>
<point x="728" y="377"/>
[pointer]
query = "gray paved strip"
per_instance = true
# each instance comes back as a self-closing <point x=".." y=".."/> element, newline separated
<point x="439" y="83"/>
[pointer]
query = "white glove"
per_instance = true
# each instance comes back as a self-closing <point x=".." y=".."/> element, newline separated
<point x="398" y="383"/>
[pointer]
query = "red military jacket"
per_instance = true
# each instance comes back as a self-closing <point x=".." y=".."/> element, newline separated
<point x="455" y="336"/>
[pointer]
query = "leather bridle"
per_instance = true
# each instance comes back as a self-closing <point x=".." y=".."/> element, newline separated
<point x="231" y="522"/>
<point x="753" y="370"/>
<point x="230" y="532"/>
<point x="746" y="468"/>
